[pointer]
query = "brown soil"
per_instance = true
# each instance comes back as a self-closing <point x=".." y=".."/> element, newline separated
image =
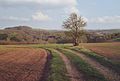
<point x="109" y="74"/>
<point x="109" y="50"/>
<point x="22" y="64"/>
<point x="73" y="74"/>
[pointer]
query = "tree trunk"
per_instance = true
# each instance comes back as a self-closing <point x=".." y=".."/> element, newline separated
<point x="76" y="42"/>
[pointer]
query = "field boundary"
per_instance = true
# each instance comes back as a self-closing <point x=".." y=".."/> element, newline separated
<point x="46" y="67"/>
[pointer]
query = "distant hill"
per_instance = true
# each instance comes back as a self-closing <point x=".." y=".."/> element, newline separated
<point x="106" y="31"/>
<point x="26" y="34"/>
<point x="24" y="28"/>
<point x="19" y="28"/>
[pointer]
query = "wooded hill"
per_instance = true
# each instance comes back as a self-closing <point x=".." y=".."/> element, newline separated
<point x="26" y="35"/>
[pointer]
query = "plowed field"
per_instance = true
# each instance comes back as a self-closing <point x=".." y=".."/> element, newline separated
<point x="22" y="64"/>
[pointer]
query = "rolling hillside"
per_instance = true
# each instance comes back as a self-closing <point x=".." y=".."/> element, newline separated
<point x="26" y="34"/>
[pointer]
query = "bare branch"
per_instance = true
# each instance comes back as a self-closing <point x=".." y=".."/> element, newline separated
<point x="75" y="25"/>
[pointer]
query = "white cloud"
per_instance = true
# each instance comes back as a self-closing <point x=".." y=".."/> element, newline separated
<point x="70" y="10"/>
<point x="12" y="18"/>
<point x="42" y="2"/>
<point x="74" y="10"/>
<point x="105" y="19"/>
<point x="39" y="16"/>
<point x="58" y="2"/>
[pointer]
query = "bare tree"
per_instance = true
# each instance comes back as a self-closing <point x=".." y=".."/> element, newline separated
<point x="75" y="25"/>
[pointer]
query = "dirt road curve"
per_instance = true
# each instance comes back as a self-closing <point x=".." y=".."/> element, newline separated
<point x="23" y="64"/>
<point x="73" y="74"/>
<point x="104" y="70"/>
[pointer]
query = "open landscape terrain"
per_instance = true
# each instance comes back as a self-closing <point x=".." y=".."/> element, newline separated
<point x="60" y="62"/>
<point x="59" y="40"/>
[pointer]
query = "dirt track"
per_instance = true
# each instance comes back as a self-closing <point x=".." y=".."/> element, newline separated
<point x="73" y="74"/>
<point x="23" y="64"/>
<point x="109" y="74"/>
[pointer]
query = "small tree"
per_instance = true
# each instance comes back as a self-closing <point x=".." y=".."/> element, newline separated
<point x="75" y="24"/>
<point x="3" y="36"/>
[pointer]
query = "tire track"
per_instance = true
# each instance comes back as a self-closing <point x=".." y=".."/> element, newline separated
<point x="72" y="71"/>
<point x="46" y="70"/>
<point x="109" y="74"/>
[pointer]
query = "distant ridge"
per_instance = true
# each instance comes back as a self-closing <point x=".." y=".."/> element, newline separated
<point x="106" y="30"/>
<point x="19" y="28"/>
<point x="89" y="30"/>
<point x="26" y="34"/>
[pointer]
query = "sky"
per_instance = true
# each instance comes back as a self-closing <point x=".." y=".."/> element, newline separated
<point x="50" y="14"/>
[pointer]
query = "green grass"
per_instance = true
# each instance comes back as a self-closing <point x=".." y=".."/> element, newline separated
<point x="6" y="49"/>
<point x="52" y="45"/>
<point x="101" y="59"/>
<point x="117" y="39"/>
<point x="57" y="68"/>
<point x="39" y="45"/>
<point x="90" y="74"/>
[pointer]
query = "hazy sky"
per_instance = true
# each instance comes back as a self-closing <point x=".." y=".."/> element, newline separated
<point x="49" y="14"/>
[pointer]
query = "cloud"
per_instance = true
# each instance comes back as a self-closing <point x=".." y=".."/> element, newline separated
<point x="74" y="10"/>
<point x="30" y="8"/>
<point x="40" y="2"/>
<point x="12" y="18"/>
<point x="39" y="16"/>
<point x="105" y="19"/>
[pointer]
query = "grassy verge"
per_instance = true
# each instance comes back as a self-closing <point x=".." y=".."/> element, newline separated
<point x="51" y="45"/>
<point x="90" y="74"/>
<point x="117" y="39"/>
<point x="101" y="59"/>
<point x="57" y="68"/>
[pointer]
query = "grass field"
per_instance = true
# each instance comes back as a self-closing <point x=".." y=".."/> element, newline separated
<point x="60" y="62"/>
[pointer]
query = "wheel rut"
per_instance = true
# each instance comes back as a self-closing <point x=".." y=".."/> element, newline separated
<point x="73" y="74"/>
<point x="109" y="74"/>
